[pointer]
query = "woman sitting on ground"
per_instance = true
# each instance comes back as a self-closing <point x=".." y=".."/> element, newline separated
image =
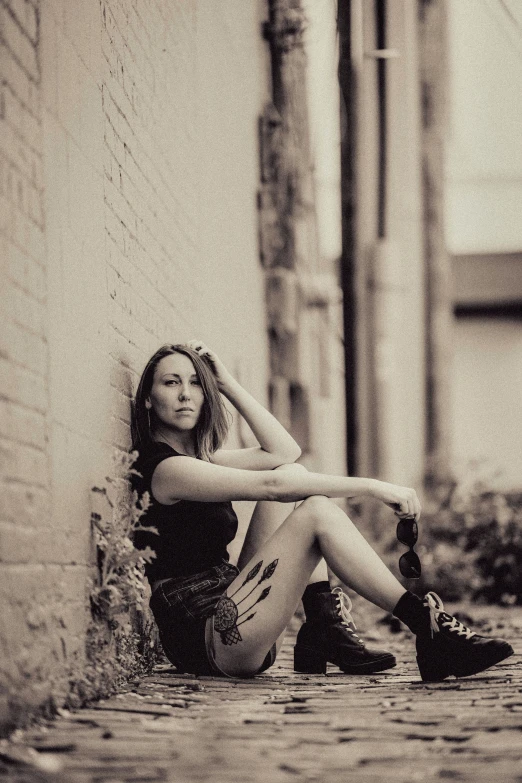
<point x="216" y="619"/>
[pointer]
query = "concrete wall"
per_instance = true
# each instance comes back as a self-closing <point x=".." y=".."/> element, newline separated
<point x="327" y="377"/>
<point x="484" y="233"/>
<point x="389" y="275"/>
<point x="129" y="157"/>
<point x="487" y="400"/>
<point x="484" y="154"/>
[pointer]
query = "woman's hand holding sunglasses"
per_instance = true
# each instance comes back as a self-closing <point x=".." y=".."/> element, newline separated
<point x="403" y="500"/>
<point x="406" y="505"/>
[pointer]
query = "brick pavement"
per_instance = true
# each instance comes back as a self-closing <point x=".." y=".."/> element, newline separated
<point x="282" y="726"/>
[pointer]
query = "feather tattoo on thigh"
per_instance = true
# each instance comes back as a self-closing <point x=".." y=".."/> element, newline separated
<point x="228" y="611"/>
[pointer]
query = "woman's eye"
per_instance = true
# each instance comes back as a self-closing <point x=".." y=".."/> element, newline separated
<point x="171" y="382"/>
<point x="196" y="383"/>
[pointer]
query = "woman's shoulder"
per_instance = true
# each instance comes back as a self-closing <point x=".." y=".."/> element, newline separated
<point x="150" y="455"/>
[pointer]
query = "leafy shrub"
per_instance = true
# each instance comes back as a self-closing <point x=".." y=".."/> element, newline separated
<point x="120" y="582"/>
<point x="112" y="659"/>
<point x="470" y="544"/>
<point x="121" y="641"/>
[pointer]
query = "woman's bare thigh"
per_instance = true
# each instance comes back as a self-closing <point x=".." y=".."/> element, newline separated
<point x="261" y="601"/>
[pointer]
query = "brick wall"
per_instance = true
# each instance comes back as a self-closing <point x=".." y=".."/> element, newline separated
<point x="128" y="153"/>
<point x="24" y="490"/>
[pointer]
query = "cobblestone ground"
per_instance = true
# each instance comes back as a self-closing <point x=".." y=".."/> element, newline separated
<point x="282" y="726"/>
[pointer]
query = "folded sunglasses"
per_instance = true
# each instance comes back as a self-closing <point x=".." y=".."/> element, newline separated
<point x="408" y="533"/>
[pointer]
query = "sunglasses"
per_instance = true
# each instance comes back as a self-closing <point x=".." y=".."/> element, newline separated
<point x="408" y="533"/>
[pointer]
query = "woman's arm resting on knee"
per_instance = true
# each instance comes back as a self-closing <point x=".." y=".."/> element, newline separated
<point x="276" y="445"/>
<point x="185" y="478"/>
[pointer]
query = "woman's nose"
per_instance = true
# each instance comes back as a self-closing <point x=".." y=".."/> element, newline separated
<point x="184" y="393"/>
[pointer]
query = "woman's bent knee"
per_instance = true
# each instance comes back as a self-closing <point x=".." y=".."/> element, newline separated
<point x="316" y="505"/>
<point x="311" y="514"/>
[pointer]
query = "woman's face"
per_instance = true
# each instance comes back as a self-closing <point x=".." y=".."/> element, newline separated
<point x="176" y="396"/>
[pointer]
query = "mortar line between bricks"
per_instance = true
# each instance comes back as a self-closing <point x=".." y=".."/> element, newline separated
<point x="20" y="64"/>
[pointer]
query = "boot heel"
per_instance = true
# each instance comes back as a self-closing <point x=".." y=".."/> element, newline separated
<point x="432" y="671"/>
<point x="308" y="661"/>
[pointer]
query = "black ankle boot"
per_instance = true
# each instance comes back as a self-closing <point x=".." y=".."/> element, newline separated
<point x="329" y="634"/>
<point x="445" y="646"/>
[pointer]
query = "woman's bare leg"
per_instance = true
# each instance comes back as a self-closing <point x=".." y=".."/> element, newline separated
<point x="263" y="598"/>
<point x="267" y="517"/>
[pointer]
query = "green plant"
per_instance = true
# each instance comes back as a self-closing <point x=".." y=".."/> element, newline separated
<point x="121" y="642"/>
<point x="120" y="581"/>
<point x="470" y="543"/>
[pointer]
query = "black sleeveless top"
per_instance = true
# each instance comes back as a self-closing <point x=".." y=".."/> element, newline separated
<point x="193" y="535"/>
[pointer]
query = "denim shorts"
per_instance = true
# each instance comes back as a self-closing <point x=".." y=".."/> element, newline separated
<point x="183" y="609"/>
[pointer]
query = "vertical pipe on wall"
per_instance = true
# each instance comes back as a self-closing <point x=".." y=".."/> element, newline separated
<point x="380" y="30"/>
<point x="349" y="25"/>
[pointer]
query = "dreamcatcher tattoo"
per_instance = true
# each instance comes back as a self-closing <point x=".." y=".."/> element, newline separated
<point x="227" y="614"/>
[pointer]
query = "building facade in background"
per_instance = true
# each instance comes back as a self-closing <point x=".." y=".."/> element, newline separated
<point x="483" y="183"/>
<point x="432" y="262"/>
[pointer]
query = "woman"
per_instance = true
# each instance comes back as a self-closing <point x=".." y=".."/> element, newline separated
<point x="217" y="619"/>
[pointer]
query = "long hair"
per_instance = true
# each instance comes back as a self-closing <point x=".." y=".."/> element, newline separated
<point x="212" y="425"/>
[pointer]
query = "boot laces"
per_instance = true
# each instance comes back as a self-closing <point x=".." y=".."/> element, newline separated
<point x="344" y="607"/>
<point x="439" y="618"/>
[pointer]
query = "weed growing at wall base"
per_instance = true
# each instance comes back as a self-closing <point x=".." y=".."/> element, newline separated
<point x="120" y="582"/>
<point x="121" y="642"/>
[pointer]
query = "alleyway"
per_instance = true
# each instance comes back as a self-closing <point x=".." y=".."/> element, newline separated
<point x="287" y="727"/>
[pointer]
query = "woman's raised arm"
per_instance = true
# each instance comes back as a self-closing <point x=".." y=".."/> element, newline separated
<point x="276" y="445"/>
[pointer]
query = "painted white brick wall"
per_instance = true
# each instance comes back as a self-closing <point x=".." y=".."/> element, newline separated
<point x="25" y="521"/>
<point x="128" y="179"/>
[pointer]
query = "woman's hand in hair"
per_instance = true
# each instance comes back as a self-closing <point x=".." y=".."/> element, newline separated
<point x="276" y="445"/>
<point x="223" y="377"/>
